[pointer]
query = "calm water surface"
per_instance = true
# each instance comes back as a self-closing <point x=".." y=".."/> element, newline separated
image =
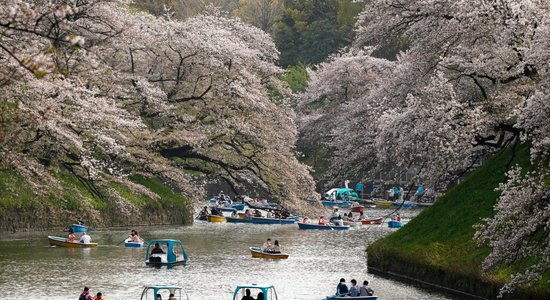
<point x="219" y="260"/>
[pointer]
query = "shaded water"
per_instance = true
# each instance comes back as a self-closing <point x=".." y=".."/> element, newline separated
<point x="219" y="260"/>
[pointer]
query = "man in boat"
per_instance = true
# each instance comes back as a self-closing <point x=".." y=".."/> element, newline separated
<point x="99" y="296"/>
<point x="354" y="289"/>
<point x="157" y="249"/>
<point x="336" y="218"/>
<point x="342" y="288"/>
<point x="364" y="290"/>
<point x="247" y="295"/>
<point x="267" y="246"/>
<point x="85" y="239"/>
<point x="359" y="188"/>
<point x="85" y="295"/>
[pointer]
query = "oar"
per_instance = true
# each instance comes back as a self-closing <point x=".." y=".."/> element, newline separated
<point x="122" y="241"/>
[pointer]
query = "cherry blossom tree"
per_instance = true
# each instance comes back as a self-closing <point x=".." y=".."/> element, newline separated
<point x="472" y="80"/>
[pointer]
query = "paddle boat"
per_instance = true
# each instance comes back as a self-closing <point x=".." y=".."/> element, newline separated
<point x="260" y="220"/>
<point x="216" y="219"/>
<point x="259" y="253"/>
<point x="268" y="291"/>
<point x="372" y="221"/>
<point x="341" y="194"/>
<point x="174" y="253"/>
<point x="395" y="224"/>
<point x="150" y="292"/>
<point x="322" y="227"/>
<point x="335" y="297"/>
<point x="129" y="244"/>
<point x="64" y="242"/>
<point x="79" y="228"/>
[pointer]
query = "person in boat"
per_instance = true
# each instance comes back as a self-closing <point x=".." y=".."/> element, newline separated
<point x="342" y="288"/>
<point x="98" y="296"/>
<point x="306" y="220"/>
<point x="269" y="215"/>
<point x="350" y="217"/>
<point x="85" y="238"/>
<point x="419" y="193"/>
<point x="354" y="289"/>
<point x="234" y="214"/>
<point x="365" y="290"/>
<point x="257" y="213"/>
<point x="362" y="216"/>
<point x="159" y="297"/>
<point x="322" y="220"/>
<point x="247" y="295"/>
<point x="260" y="296"/>
<point x="135" y="237"/>
<point x="267" y="246"/>
<point x="71" y="236"/>
<point x="157" y="249"/>
<point x="85" y="295"/>
<point x="276" y="247"/>
<point x="204" y="213"/>
<point x="336" y="218"/>
<point x="396" y="217"/>
<point x="247" y="214"/>
<point x="215" y="211"/>
<point x="172" y="297"/>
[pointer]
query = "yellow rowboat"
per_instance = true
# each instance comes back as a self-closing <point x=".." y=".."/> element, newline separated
<point x="216" y="219"/>
<point x="259" y="253"/>
<point x="63" y="242"/>
<point x="383" y="203"/>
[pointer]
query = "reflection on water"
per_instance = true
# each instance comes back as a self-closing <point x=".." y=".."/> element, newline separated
<point x="219" y="259"/>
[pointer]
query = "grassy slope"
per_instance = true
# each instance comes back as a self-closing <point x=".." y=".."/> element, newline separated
<point x="15" y="194"/>
<point x="441" y="235"/>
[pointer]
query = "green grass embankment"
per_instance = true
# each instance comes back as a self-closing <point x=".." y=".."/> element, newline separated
<point x="437" y="246"/>
<point x="22" y="208"/>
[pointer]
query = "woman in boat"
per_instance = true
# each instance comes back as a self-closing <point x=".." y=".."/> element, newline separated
<point x="350" y="217"/>
<point x="247" y="214"/>
<point x="306" y="220"/>
<point x="276" y="247"/>
<point x="234" y="214"/>
<point x="71" y="236"/>
<point x="322" y="220"/>
<point x="362" y="216"/>
<point x="135" y="237"/>
<point x="260" y="296"/>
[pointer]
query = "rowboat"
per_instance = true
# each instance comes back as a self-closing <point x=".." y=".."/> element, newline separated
<point x="79" y="228"/>
<point x="372" y="221"/>
<point x="358" y="209"/>
<point x="383" y="203"/>
<point x="238" y="220"/>
<point x="329" y="203"/>
<point x="394" y="224"/>
<point x="216" y="219"/>
<point x="268" y="291"/>
<point x="405" y="204"/>
<point x="151" y="292"/>
<point x="64" y="242"/>
<point x="257" y="220"/>
<point x="334" y="297"/>
<point x="129" y="244"/>
<point x="322" y="227"/>
<point x="259" y="253"/>
<point x="173" y="253"/>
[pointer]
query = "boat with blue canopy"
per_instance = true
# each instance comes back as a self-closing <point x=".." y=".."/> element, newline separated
<point x="172" y="254"/>
<point x="79" y="228"/>
<point x="322" y="227"/>
<point x="267" y="291"/>
<point x="150" y="292"/>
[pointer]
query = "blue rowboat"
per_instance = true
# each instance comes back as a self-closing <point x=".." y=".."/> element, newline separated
<point x="335" y="297"/>
<point x="129" y="244"/>
<point x="322" y="227"/>
<point x="394" y="224"/>
<point x="238" y="206"/>
<point x="329" y="203"/>
<point x="79" y="228"/>
<point x="237" y="220"/>
<point x="257" y="220"/>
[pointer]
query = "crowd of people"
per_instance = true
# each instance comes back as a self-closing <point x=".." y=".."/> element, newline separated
<point x="354" y="290"/>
